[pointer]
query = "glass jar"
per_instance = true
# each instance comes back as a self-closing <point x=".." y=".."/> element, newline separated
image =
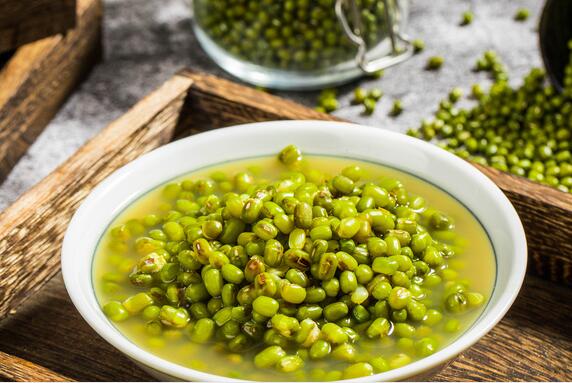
<point x="302" y="44"/>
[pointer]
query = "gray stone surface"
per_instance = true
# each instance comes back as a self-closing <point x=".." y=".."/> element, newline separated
<point x="146" y="41"/>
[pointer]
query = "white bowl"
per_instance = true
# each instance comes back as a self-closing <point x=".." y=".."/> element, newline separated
<point x="419" y="158"/>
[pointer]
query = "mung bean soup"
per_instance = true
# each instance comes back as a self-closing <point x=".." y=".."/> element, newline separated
<point x="294" y="268"/>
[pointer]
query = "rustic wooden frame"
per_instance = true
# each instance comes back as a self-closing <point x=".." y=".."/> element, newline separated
<point x="32" y="228"/>
<point x="38" y="77"/>
<point x="24" y="21"/>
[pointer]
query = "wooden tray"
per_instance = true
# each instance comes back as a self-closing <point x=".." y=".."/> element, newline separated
<point x="531" y="343"/>
<point x="24" y="21"/>
<point x="36" y="79"/>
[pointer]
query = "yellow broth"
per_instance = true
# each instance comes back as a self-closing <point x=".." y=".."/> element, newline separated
<point x="474" y="265"/>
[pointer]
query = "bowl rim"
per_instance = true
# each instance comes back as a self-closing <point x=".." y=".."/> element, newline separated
<point x="107" y="330"/>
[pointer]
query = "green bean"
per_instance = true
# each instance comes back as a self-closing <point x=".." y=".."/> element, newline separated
<point x="327" y="266"/>
<point x="289" y="363"/>
<point x="251" y="210"/>
<point x="399" y="298"/>
<point x="522" y="14"/>
<point x="315" y="295"/>
<point x="269" y="357"/>
<point x="293" y="293"/>
<point x="115" y="311"/>
<point x="331" y="287"/>
<point x="174" y="317"/>
<point x="290" y="155"/>
<point x="303" y="215"/>
<point x="333" y="333"/>
<point x="265" y="306"/>
<point x="284" y="324"/>
<point x="357" y="370"/>
<point x="231" y="230"/>
<point x="202" y="331"/>
<point x="348" y="227"/>
<point x="343" y="184"/>
<point x="222" y="316"/>
<point x="298" y="277"/>
<point x="320" y="349"/>
<point x="378" y="328"/>
<point x="426" y="347"/>
<point x="346" y="261"/>
<point x="253" y="267"/>
<point x="137" y="302"/>
<point x="308" y="333"/>
<point x="214" y="305"/>
<point x="359" y="295"/>
<point x="228" y="294"/>
<point x="213" y="281"/>
<point x="335" y="311"/>
<point x="151" y="312"/>
<point x="434" y="63"/>
<point x="217" y="259"/>
<point x="345" y="352"/>
<point x="348" y="281"/>
<point x="199" y="310"/>
<point x="313" y="312"/>
<point x="298" y="259"/>
<point x="416" y="310"/>
<point x="232" y="273"/>
<point x="296" y="239"/>
<point x="246" y="295"/>
<point x="265" y="230"/>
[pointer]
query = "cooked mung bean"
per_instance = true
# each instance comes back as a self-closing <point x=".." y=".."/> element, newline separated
<point x="308" y="268"/>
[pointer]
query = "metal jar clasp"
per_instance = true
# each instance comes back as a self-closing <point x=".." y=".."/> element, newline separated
<point x="401" y="48"/>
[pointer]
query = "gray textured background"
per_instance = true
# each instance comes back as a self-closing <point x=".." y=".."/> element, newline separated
<point x="146" y="41"/>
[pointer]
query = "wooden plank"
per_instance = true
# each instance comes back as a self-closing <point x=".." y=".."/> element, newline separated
<point x="532" y="343"/>
<point x="32" y="229"/>
<point x="546" y="214"/>
<point x="15" y="369"/>
<point x="215" y="102"/>
<point x="24" y="21"/>
<point x="39" y="76"/>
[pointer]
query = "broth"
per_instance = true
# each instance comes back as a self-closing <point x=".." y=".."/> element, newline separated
<point x="474" y="264"/>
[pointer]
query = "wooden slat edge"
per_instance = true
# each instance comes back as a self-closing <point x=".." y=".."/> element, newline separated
<point x="22" y="22"/>
<point x="15" y="369"/>
<point x="32" y="229"/>
<point x="221" y="102"/>
<point x="546" y="214"/>
<point x="39" y="77"/>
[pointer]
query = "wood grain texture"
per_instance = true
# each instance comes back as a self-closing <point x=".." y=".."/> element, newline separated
<point x="39" y="76"/>
<point x="15" y="369"/>
<point x="32" y="229"/>
<point x="24" y="21"/>
<point x="214" y="102"/>
<point x="533" y="342"/>
<point x="546" y="215"/>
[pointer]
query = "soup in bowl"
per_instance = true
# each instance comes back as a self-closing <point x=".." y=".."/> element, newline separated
<point x="294" y="251"/>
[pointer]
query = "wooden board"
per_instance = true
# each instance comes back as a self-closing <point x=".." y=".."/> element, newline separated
<point x="37" y="78"/>
<point x="24" y="21"/>
<point x="32" y="228"/>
